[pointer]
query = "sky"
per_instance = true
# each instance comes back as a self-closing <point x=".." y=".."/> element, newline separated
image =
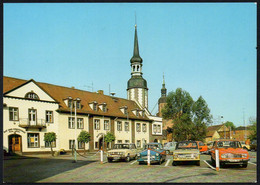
<point x="207" y="49"/>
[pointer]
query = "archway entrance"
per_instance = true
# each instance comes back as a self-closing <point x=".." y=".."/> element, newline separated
<point x="15" y="143"/>
<point x="156" y="141"/>
<point x="100" y="143"/>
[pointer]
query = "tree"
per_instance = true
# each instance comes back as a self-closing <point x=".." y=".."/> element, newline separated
<point x="230" y="124"/>
<point x="50" y="137"/>
<point x="201" y="119"/>
<point x="190" y="119"/>
<point x="84" y="137"/>
<point x="109" y="137"/>
<point x="253" y="128"/>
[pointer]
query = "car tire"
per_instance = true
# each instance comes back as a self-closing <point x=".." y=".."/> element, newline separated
<point x="160" y="161"/>
<point x="213" y="162"/>
<point x="140" y="163"/>
<point x="198" y="163"/>
<point x="109" y="160"/>
<point x="127" y="159"/>
<point x="174" y="163"/>
<point x="244" y="165"/>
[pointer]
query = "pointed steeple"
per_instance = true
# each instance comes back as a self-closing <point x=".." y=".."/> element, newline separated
<point x="136" y="57"/>
<point x="163" y="90"/>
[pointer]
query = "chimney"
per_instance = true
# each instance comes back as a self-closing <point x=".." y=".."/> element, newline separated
<point x="100" y="92"/>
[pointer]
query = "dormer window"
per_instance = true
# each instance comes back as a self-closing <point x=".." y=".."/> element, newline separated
<point x="124" y="110"/>
<point x="32" y="95"/>
<point x="137" y="113"/>
<point x="103" y="107"/>
<point x="93" y="105"/>
<point x="78" y="104"/>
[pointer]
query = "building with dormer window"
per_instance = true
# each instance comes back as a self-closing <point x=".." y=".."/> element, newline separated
<point x="66" y="111"/>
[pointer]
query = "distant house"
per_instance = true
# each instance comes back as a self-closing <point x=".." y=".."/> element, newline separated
<point x="217" y="132"/>
<point x="242" y="133"/>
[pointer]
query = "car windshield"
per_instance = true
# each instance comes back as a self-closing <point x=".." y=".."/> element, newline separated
<point x="229" y="144"/>
<point x="121" y="146"/>
<point x="187" y="145"/>
<point x="153" y="146"/>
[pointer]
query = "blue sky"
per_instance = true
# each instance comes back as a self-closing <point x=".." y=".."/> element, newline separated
<point x="207" y="49"/>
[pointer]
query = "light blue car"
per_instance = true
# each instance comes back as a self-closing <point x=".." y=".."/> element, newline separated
<point x="169" y="147"/>
<point x="157" y="153"/>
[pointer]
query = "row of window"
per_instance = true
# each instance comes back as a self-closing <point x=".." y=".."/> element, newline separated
<point x="34" y="138"/>
<point x="71" y="123"/>
<point x="32" y="115"/>
<point x="33" y="141"/>
<point x="97" y="124"/>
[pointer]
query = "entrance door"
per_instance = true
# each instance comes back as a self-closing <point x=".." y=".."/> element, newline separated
<point x="100" y="143"/>
<point x="15" y="143"/>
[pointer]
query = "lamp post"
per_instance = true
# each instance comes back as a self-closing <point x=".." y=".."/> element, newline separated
<point x="75" y="153"/>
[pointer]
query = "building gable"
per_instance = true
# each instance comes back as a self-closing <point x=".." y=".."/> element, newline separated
<point x="27" y="89"/>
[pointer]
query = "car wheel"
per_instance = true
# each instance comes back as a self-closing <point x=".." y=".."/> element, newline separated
<point x="213" y="162"/>
<point x="198" y="163"/>
<point x="127" y="158"/>
<point x="140" y="162"/>
<point x="160" y="161"/>
<point x="174" y="163"/>
<point x="109" y="160"/>
<point x="244" y="165"/>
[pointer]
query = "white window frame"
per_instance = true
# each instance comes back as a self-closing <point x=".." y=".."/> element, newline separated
<point x="138" y="127"/>
<point x="49" y="116"/>
<point x="13" y="113"/>
<point x="97" y="124"/>
<point x="106" y="124"/>
<point x="36" y="139"/>
<point x="144" y="127"/>
<point x="127" y="126"/>
<point x="80" y="123"/>
<point x="119" y="125"/>
<point x="71" y="122"/>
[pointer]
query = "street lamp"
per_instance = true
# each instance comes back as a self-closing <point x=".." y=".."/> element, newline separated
<point x="75" y="123"/>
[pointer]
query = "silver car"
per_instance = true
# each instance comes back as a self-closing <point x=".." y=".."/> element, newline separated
<point x="169" y="147"/>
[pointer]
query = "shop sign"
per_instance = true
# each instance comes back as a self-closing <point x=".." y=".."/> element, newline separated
<point x="16" y="130"/>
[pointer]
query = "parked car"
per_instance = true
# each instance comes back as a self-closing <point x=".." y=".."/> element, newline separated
<point x="186" y="151"/>
<point x="210" y="145"/>
<point x="230" y="152"/>
<point x="202" y="147"/>
<point x="169" y="147"/>
<point x="244" y="145"/>
<point x="157" y="153"/>
<point x="253" y="145"/>
<point x="125" y="151"/>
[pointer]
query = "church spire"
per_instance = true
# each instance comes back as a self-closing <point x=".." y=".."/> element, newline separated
<point x="136" y="57"/>
<point x="163" y="90"/>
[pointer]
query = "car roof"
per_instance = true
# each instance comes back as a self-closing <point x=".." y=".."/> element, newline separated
<point x="226" y="140"/>
<point x="153" y="143"/>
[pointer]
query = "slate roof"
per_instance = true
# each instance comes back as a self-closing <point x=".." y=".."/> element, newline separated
<point x="59" y="93"/>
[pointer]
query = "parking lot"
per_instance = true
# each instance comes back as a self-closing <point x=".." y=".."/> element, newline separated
<point x="88" y="169"/>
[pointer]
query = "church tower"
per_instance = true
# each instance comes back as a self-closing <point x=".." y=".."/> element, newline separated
<point x="137" y="85"/>
<point x="162" y="99"/>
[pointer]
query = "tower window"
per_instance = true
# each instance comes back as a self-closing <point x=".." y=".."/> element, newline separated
<point x="133" y="68"/>
<point x="137" y="68"/>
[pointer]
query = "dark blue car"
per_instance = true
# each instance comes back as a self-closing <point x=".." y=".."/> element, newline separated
<point x="157" y="153"/>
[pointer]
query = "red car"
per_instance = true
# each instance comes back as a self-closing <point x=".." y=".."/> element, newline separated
<point x="230" y="152"/>
<point x="202" y="147"/>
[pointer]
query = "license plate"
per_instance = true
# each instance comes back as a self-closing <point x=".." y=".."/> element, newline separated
<point x="234" y="160"/>
<point x="116" y="157"/>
